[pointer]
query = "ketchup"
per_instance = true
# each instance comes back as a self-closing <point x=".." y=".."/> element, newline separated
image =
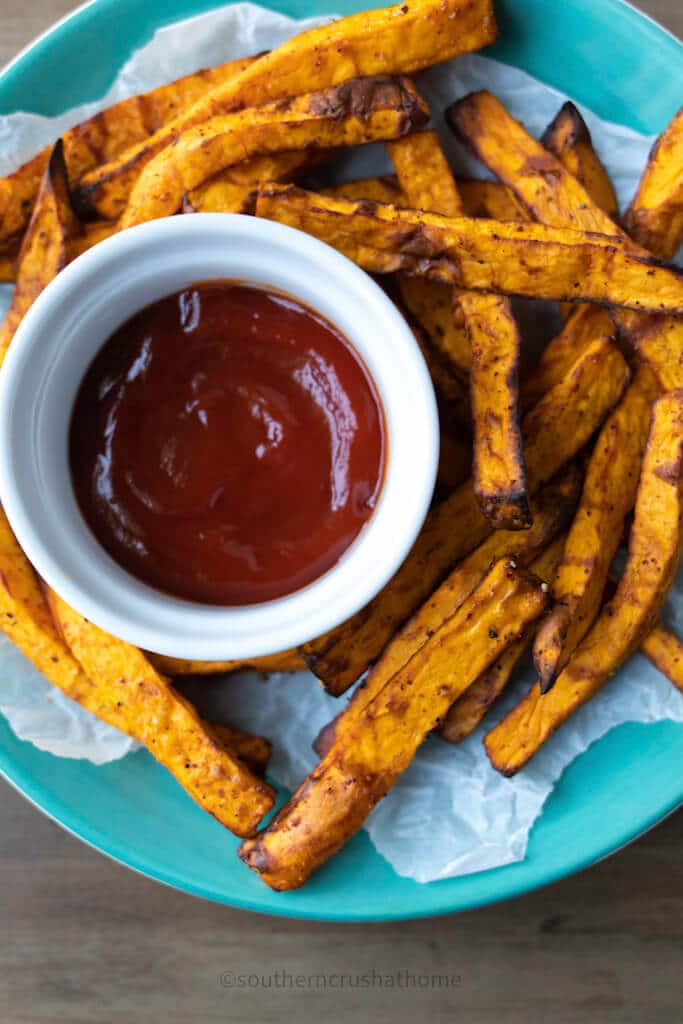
<point x="227" y="445"/>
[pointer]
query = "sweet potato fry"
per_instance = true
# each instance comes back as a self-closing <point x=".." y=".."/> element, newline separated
<point x="665" y="651"/>
<point x="254" y="751"/>
<point x="285" y="661"/>
<point x="490" y="199"/>
<point x="655" y="217"/>
<point x="498" y="464"/>
<point x="532" y="260"/>
<point x="567" y="137"/>
<point x="552" y="512"/>
<point x="392" y="40"/>
<point x="498" y="468"/>
<point x="103" y="137"/>
<point x="607" y="499"/>
<point x="333" y="802"/>
<point x="44" y="251"/>
<point x="123" y="689"/>
<point x="465" y="714"/>
<point x="653" y="557"/>
<point x="361" y="110"/>
<point x="554" y="431"/>
<point x="165" y="722"/>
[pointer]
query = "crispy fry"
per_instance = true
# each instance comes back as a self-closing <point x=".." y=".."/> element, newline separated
<point x="384" y="189"/>
<point x="552" y="512"/>
<point x="498" y="464"/>
<point x="489" y="199"/>
<point x="665" y="651"/>
<point x="422" y="167"/>
<point x="554" y="431"/>
<point x="483" y="255"/>
<point x="332" y="803"/>
<point x="285" y="661"/>
<point x="655" y="216"/>
<point x="255" y="751"/>
<point x="653" y="557"/>
<point x="103" y="137"/>
<point x="165" y="722"/>
<point x="465" y="714"/>
<point x="392" y="40"/>
<point x="361" y="110"/>
<point x="44" y="251"/>
<point x="567" y="137"/>
<point x="608" y="497"/>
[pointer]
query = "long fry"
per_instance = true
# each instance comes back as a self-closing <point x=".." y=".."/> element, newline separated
<point x="392" y="40"/>
<point x="332" y="803"/>
<point x="498" y="465"/>
<point x="44" y="251"/>
<point x="139" y="702"/>
<point x="165" y="722"/>
<point x="361" y="110"/>
<point x="531" y="260"/>
<point x="653" y="557"/>
<point x="555" y="430"/>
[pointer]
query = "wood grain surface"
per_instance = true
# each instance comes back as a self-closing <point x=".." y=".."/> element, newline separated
<point x="83" y="941"/>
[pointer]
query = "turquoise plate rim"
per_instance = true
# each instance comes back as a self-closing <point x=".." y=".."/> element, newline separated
<point x="94" y="803"/>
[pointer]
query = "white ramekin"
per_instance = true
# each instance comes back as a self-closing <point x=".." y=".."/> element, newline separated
<point x="55" y="344"/>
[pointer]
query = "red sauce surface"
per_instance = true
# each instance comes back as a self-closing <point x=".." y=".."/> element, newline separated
<point x="227" y="445"/>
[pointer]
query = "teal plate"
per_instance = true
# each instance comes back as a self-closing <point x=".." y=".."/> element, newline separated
<point x="625" y="68"/>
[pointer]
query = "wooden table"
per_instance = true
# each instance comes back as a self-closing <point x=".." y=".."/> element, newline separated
<point x="84" y="941"/>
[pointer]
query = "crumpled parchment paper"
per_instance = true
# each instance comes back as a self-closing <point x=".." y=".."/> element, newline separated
<point x="482" y="819"/>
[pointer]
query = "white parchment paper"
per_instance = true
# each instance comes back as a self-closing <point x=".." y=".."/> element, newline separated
<point x="482" y="820"/>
